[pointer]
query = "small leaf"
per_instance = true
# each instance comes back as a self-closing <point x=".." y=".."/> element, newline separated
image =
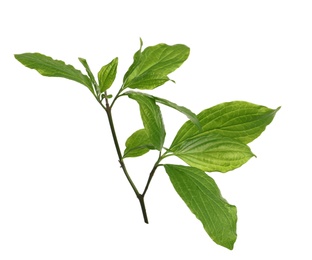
<point x="202" y="195"/>
<point x="151" y="67"/>
<point x="240" y="120"/>
<point x="152" y="119"/>
<point x="138" y="144"/>
<point x="168" y="103"/>
<point x="107" y="75"/>
<point x="49" y="67"/>
<point x="212" y="152"/>
<point x="90" y="74"/>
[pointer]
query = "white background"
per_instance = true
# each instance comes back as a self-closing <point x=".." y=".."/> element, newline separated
<point x="62" y="193"/>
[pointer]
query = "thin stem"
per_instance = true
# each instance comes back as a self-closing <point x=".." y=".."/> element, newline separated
<point x="160" y="157"/>
<point x="150" y="177"/>
<point x="122" y="164"/>
<point x="117" y="96"/>
<point x="108" y="108"/>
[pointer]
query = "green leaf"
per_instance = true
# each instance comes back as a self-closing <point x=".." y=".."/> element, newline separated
<point x="151" y="67"/>
<point x="202" y="195"/>
<point x="240" y="120"/>
<point x="136" y="61"/>
<point x="168" y="103"/>
<point x="213" y="152"/>
<point x="49" y="67"/>
<point x="107" y="75"/>
<point x="138" y="144"/>
<point x="152" y="119"/>
<point x="90" y="74"/>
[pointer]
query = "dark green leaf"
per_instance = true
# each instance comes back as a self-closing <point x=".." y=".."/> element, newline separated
<point x="168" y="103"/>
<point x="138" y="144"/>
<point x="47" y="66"/>
<point x="238" y="119"/>
<point x="151" y="67"/>
<point x="212" y="152"/>
<point x="107" y="75"/>
<point x="202" y="195"/>
<point x="152" y="119"/>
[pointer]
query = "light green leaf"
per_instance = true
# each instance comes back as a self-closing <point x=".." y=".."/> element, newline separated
<point x="202" y="195"/>
<point x="152" y="119"/>
<point x="240" y="120"/>
<point x="136" y="61"/>
<point x="151" y="67"/>
<point x="138" y="144"/>
<point x="168" y="103"/>
<point x="107" y="75"/>
<point x="212" y="152"/>
<point x="49" y="67"/>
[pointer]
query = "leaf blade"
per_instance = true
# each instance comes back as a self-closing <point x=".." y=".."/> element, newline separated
<point x="107" y="75"/>
<point x="213" y="153"/>
<point x="86" y="66"/>
<point x="49" y="67"/>
<point x="151" y="67"/>
<point x="136" y="60"/>
<point x="240" y="120"/>
<point x="203" y="197"/>
<point x="187" y="112"/>
<point x="152" y="119"/>
<point x="138" y="144"/>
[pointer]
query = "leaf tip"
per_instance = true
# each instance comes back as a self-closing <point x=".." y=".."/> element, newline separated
<point x="17" y="56"/>
<point x="230" y="247"/>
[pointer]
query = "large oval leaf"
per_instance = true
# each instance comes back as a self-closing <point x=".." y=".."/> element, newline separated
<point x="202" y="195"/>
<point x="151" y="67"/>
<point x="152" y="119"/>
<point x="212" y="152"/>
<point x="240" y="120"/>
<point x="49" y="67"/>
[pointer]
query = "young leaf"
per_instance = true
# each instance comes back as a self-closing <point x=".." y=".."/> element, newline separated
<point x="107" y="75"/>
<point x="152" y="119"/>
<point x="240" y="120"/>
<point x="202" y="195"/>
<point x="138" y="144"/>
<point x="49" y="67"/>
<point x="168" y="103"/>
<point x="151" y="67"/>
<point x="88" y="70"/>
<point x="212" y="152"/>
